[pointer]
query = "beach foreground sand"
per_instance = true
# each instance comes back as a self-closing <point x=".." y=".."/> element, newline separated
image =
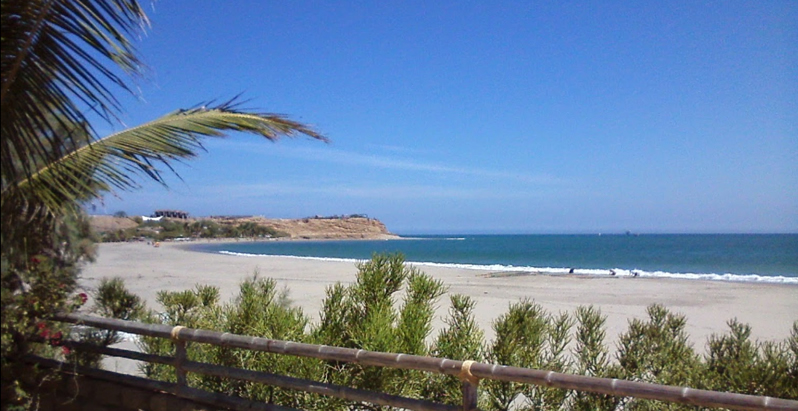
<point x="770" y="309"/>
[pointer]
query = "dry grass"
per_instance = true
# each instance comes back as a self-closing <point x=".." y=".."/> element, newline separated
<point x="107" y="223"/>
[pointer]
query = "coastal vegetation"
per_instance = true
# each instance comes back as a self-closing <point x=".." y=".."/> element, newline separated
<point x="171" y="229"/>
<point x="390" y="308"/>
<point x="63" y="64"/>
<point x="116" y="229"/>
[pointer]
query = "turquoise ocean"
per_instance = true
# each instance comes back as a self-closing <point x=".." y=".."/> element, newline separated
<point x="771" y="258"/>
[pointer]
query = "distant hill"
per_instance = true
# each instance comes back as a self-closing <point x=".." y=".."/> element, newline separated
<point x="320" y="227"/>
<point x="106" y="223"/>
<point x="344" y="227"/>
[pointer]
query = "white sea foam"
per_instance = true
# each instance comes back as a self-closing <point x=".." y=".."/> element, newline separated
<point x="346" y="260"/>
<point x="619" y="272"/>
<point x="432" y="238"/>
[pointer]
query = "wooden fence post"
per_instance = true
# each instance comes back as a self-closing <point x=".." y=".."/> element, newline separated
<point x="470" y="386"/>
<point x="180" y="358"/>
<point x="470" y="396"/>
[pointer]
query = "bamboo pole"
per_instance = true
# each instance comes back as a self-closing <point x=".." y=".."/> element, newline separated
<point x="272" y="379"/>
<point x="470" y="386"/>
<point x="192" y="394"/>
<point x="621" y="388"/>
<point x="330" y="390"/>
<point x="118" y="352"/>
<point x="625" y="388"/>
<point x="322" y="352"/>
<point x="180" y="358"/>
<point x="470" y="396"/>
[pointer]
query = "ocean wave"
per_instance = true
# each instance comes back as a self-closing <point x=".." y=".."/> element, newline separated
<point x="619" y="272"/>
<point x="434" y="238"/>
<point x="346" y="260"/>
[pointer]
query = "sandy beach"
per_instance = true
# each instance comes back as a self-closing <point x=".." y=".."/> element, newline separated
<point x="770" y="309"/>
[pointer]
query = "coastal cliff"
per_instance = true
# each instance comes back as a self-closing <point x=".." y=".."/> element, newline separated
<point x="339" y="227"/>
<point x="320" y="227"/>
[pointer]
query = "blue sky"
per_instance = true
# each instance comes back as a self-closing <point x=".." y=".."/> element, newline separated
<point x="487" y="117"/>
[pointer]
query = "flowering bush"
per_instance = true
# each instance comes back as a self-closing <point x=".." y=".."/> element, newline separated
<point x="38" y="279"/>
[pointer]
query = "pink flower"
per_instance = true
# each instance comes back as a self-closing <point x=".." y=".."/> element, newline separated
<point x="65" y="350"/>
<point x="55" y="339"/>
<point x="44" y="332"/>
<point x="83" y="298"/>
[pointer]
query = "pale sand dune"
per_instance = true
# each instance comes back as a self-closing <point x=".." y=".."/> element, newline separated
<point x="770" y="309"/>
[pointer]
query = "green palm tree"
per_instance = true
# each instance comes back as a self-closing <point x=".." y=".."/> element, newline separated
<point x="63" y="63"/>
<point x="62" y="60"/>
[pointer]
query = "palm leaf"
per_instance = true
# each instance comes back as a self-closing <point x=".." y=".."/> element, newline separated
<point x="60" y="58"/>
<point x="115" y="161"/>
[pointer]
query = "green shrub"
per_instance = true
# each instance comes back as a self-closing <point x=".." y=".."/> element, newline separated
<point x="362" y="315"/>
<point x="555" y="359"/>
<point x="390" y="307"/>
<point x="658" y="351"/>
<point x="737" y="364"/>
<point x="461" y="339"/>
<point x="112" y="300"/>
<point x="592" y="358"/>
<point x="520" y="342"/>
<point x="365" y="315"/>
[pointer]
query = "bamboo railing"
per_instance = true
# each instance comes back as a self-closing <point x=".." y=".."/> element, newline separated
<point x="469" y="372"/>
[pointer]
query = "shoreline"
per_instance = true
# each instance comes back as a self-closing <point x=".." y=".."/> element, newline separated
<point x="500" y="270"/>
<point x="769" y="308"/>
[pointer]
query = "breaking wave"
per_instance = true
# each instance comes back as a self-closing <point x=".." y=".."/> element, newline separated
<point x="527" y="270"/>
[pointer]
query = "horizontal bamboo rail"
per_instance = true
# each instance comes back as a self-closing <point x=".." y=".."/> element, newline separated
<point x="351" y="394"/>
<point x="216" y="399"/>
<point x="468" y="371"/>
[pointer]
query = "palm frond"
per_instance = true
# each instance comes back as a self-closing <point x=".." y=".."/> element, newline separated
<point x="59" y="58"/>
<point x="115" y="161"/>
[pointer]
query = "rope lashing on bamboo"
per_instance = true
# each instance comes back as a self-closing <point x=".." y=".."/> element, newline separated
<point x="176" y="331"/>
<point x="465" y="373"/>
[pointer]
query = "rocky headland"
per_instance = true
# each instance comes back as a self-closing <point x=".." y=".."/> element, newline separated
<point x="335" y="227"/>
